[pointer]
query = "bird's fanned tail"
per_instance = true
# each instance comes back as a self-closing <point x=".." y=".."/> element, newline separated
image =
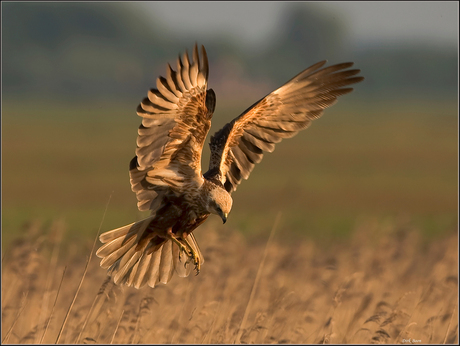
<point x="134" y="260"/>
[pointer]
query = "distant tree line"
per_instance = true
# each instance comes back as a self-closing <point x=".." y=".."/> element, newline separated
<point x="83" y="50"/>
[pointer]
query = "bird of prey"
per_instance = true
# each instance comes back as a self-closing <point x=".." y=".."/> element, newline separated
<point x="166" y="172"/>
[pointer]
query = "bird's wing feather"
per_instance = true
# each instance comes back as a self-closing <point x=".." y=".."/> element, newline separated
<point x="240" y="144"/>
<point x="176" y="118"/>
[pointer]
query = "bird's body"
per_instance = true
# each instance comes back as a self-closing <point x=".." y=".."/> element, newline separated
<point x="166" y="171"/>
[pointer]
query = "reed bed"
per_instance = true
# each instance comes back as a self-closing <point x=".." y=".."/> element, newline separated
<point x="386" y="284"/>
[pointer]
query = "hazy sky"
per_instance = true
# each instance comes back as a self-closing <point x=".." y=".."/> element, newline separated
<point x="435" y="22"/>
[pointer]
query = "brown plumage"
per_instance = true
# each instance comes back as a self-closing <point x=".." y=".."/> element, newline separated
<point x="166" y="171"/>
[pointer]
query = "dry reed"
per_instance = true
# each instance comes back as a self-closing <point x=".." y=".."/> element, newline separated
<point x="384" y="285"/>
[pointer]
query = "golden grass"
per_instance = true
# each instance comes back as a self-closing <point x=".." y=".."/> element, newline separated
<point x="386" y="284"/>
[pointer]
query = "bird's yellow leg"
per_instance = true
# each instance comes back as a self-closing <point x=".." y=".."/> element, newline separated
<point x="182" y="247"/>
<point x="187" y="248"/>
<point x="194" y="255"/>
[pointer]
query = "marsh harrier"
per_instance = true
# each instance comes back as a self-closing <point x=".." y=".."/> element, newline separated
<point x="166" y="171"/>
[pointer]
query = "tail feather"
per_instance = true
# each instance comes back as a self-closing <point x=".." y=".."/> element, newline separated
<point x="115" y="244"/>
<point x="122" y="231"/>
<point x="135" y="263"/>
<point x="133" y="272"/>
<point x="154" y="270"/>
<point x="118" y="253"/>
<point x="140" y="278"/>
<point x="167" y="263"/>
<point x="126" y="264"/>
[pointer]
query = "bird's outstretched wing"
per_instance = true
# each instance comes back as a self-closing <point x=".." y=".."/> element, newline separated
<point x="176" y="119"/>
<point x="240" y="144"/>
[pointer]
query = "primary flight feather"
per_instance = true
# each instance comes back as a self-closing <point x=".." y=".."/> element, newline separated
<point x="166" y="172"/>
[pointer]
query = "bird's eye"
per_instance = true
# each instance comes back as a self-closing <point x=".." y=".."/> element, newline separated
<point x="219" y="210"/>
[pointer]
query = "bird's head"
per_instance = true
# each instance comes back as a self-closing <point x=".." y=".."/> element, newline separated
<point x="220" y="202"/>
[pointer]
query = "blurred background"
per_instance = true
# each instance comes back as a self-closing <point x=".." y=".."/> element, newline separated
<point x="74" y="73"/>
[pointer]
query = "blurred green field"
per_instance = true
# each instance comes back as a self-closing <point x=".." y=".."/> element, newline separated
<point x="379" y="158"/>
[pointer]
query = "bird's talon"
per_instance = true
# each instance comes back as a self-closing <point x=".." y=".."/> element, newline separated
<point x="197" y="265"/>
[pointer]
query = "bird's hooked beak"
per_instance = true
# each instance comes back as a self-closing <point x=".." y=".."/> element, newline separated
<point x="224" y="217"/>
